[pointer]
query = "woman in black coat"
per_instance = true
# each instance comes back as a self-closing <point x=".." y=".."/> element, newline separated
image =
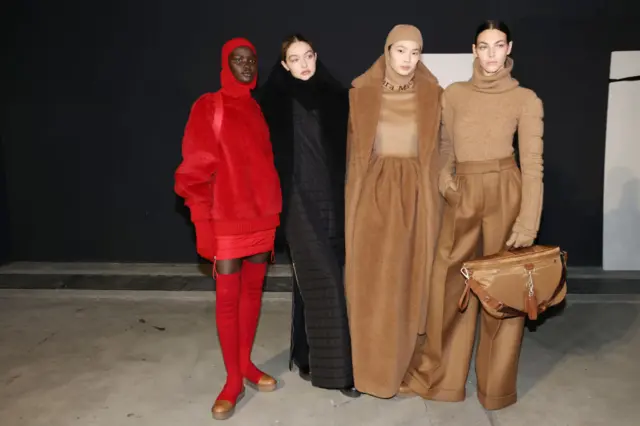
<point x="307" y="112"/>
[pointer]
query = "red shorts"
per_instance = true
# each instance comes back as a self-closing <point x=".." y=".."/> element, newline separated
<point x="243" y="245"/>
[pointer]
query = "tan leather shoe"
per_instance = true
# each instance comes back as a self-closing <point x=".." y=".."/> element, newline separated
<point x="223" y="409"/>
<point x="265" y="384"/>
<point x="405" y="391"/>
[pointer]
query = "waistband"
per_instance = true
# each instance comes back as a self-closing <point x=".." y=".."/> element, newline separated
<point x="486" y="166"/>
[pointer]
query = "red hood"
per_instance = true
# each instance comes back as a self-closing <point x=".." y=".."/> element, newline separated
<point x="229" y="83"/>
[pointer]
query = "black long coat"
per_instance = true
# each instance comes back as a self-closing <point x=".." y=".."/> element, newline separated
<point x="312" y="222"/>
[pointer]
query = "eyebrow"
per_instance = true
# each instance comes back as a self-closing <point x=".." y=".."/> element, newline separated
<point x="499" y="41"/>
<point x="295" y="56"/>
<point x="405" y="47"/>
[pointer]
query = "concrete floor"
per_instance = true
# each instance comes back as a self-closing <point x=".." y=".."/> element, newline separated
<point x="151" y="358"/>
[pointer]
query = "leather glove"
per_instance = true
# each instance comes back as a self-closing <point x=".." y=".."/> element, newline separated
<point x="451" y="193"/>
<point x="204" y="239"/>
<point x="447" y="181"/>
<point x="443" y="182"/>
<point x="518" y="240"/>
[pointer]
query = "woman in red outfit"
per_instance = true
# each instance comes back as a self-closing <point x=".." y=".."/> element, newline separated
<point x="230" y="184"/>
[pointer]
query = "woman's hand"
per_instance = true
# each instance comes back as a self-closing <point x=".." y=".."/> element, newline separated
<point x="204" y="239"/>
<point x="447" y="182"/>
<point x="518" y="240"/>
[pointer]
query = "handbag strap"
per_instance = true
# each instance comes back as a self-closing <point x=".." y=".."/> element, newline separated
<point x="563" y="278"/>
<point x="473" y="285"/>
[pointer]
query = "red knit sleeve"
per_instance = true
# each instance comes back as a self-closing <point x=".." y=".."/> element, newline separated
<point x="194" y="175"/>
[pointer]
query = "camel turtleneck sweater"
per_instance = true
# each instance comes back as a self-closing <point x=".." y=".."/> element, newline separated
<point x="397" y="133"/>
<point x="479" y="120"/>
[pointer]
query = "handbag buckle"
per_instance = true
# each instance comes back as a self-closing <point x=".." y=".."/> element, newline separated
<point x="465" y="272"/>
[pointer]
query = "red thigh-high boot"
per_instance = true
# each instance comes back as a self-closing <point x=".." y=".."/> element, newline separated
<point x="250" y="302"/>
<point x="227" y="309"/>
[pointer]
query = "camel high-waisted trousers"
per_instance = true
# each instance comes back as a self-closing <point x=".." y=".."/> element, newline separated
<point x="478" y="219"/>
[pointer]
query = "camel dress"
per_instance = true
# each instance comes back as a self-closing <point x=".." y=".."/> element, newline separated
<point x="390" y="224"/>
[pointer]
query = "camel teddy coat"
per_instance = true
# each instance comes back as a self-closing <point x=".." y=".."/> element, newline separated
<point x="387" y="318"/>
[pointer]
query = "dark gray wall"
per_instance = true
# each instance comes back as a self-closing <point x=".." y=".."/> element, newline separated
<point x="5" y="242"/>
<point x="98" y="96"/>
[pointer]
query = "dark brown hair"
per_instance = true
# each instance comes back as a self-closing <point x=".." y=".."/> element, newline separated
<point x="288" y="41"/>
<point x="493" y="25"/>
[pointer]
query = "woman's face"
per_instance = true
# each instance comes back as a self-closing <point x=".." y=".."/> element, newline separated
<point x="243" y="64"/>
<point x="491" y="49"/>
<point x="300" y="60"/>
<point x="404" y="56"/>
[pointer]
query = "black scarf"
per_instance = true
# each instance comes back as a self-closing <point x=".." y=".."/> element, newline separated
<point x="312" y="93"/>
<point x="322" y="93"/>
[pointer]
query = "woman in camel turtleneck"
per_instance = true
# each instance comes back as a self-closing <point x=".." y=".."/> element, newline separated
<point x="392" y="210"/>
<point x="490" y="205"/>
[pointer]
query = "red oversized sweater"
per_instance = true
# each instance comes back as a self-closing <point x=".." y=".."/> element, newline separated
<point x="229" y="181"/>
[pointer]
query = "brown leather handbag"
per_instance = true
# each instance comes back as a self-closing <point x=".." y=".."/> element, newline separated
<point x="519" y="282"/>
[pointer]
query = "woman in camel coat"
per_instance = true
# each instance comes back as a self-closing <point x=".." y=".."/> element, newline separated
<point x="392" y="210"/>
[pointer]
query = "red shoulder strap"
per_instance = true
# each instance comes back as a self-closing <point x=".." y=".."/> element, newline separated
<point x="218" y="112"/>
